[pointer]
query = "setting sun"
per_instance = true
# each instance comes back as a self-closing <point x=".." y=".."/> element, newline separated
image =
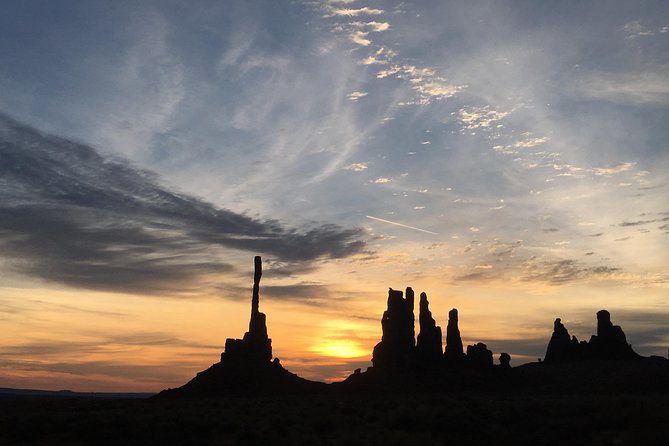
<point x="340" y="349"/>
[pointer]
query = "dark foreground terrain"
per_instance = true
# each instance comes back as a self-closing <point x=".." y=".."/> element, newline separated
<point x="417" y="419"/>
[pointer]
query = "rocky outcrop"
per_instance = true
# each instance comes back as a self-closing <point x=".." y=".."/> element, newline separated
<point x="478" y="356"/>
<point x="454" y="351"/>
<point x="562" y="347"/>
<point x="428" y="345"/>
<point x="609" y="343"/>
<point x="505" y="360"/>
<point x="396" y="349"/>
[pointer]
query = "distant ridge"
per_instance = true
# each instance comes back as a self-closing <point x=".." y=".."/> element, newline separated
<point x="6" y="392"/>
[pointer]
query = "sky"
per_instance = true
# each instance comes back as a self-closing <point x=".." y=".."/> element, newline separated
<point x="509" y="158"/>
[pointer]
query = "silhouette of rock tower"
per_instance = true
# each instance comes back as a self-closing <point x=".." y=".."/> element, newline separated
<point x="396" y="350"/>
<point x="428" y="345"/>
<point x="256" y="345"/>
<point x="454" y="352"/>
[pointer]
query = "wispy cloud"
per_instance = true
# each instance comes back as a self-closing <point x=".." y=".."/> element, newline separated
<point x="356" y="95"/>
<point x="425" y="81"/>
<point x="357" y="167"/>
<point x="650" y="86"/>
<point x="635" y="29"/>
<point x="552" y="272"/>
<point x="480" y="117"/>
<point x="353" y="12"/>
<point x="372" y="26"/>
<point x="618" y="168"/>
<point x="381" y="57"/>
<point x="525" y="143"/>
<point x="360" y="38"/>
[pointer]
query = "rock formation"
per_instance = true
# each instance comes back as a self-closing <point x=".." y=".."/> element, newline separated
<point x="609" y="343"/>
<point x="479" y="356"/>
<point x="256" y="346"/>
<point x="454" y="352"/>
<point x="396" y="349"/>
<point x="562" y="347"/>
<point x="505" y="360"/>
<point x="246" y="366"/>
<point x="428" y="345"/>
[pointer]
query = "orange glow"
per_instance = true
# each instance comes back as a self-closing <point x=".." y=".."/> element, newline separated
<point x="340" y="349"/>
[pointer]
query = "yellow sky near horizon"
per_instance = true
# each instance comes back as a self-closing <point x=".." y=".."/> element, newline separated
<point x="92" y="341"/>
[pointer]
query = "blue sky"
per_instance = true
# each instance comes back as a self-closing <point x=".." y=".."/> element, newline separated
<point x="521" y="144"/>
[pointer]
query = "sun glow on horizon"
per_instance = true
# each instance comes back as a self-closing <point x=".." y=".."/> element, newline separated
<point x="340" y="349"/>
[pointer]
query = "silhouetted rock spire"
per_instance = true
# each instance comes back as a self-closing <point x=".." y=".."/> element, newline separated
<point x="428" y="345"/>
<point x="246" y="366"/>
<point x="255" y="345"/>
<point x="562" y="347"/>
<point x="396" y="349"/>
<point x="454" y="349"/>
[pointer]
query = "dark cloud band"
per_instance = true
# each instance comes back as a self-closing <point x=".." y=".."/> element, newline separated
<point x="71" y="215"/>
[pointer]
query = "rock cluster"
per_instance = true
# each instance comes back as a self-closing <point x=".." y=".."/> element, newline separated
<point x="246" y="366"/>
<point x="398" y="352"/>
<point x="609" y="343"/>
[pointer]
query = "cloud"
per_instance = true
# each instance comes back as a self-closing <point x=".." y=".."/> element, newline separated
<point x="532" y="347"/>
<point x="356" y="95"/>
<point x="618" y="168"/>
<point x="527" y="142"/>
<point x="306" y="293"/>
<point x="310" y="293"/>
<point x="372" y="26"/>
<point x="351" y="12"/>
<point x="643" y="222"/>
<point x="561" y="271"/>
<point x="635" y="29"/>
<point x="429" y="85"/>
<point x="479" y="117"/>
<point x="649" y="86"/>
<point x="636" y="223"/>
<point x="496" y="260"/>
<point x="382" y="180"/>
<point x="356" y="167"/>
<point x="388" y="72"/>
<point x="359" y="35"/>
<point x="360" y="38"/>
<point x="381" y="57"/>
<point x="72" y="216"/>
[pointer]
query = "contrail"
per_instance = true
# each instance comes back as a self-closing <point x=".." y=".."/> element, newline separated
<point x="400" y="224"/>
